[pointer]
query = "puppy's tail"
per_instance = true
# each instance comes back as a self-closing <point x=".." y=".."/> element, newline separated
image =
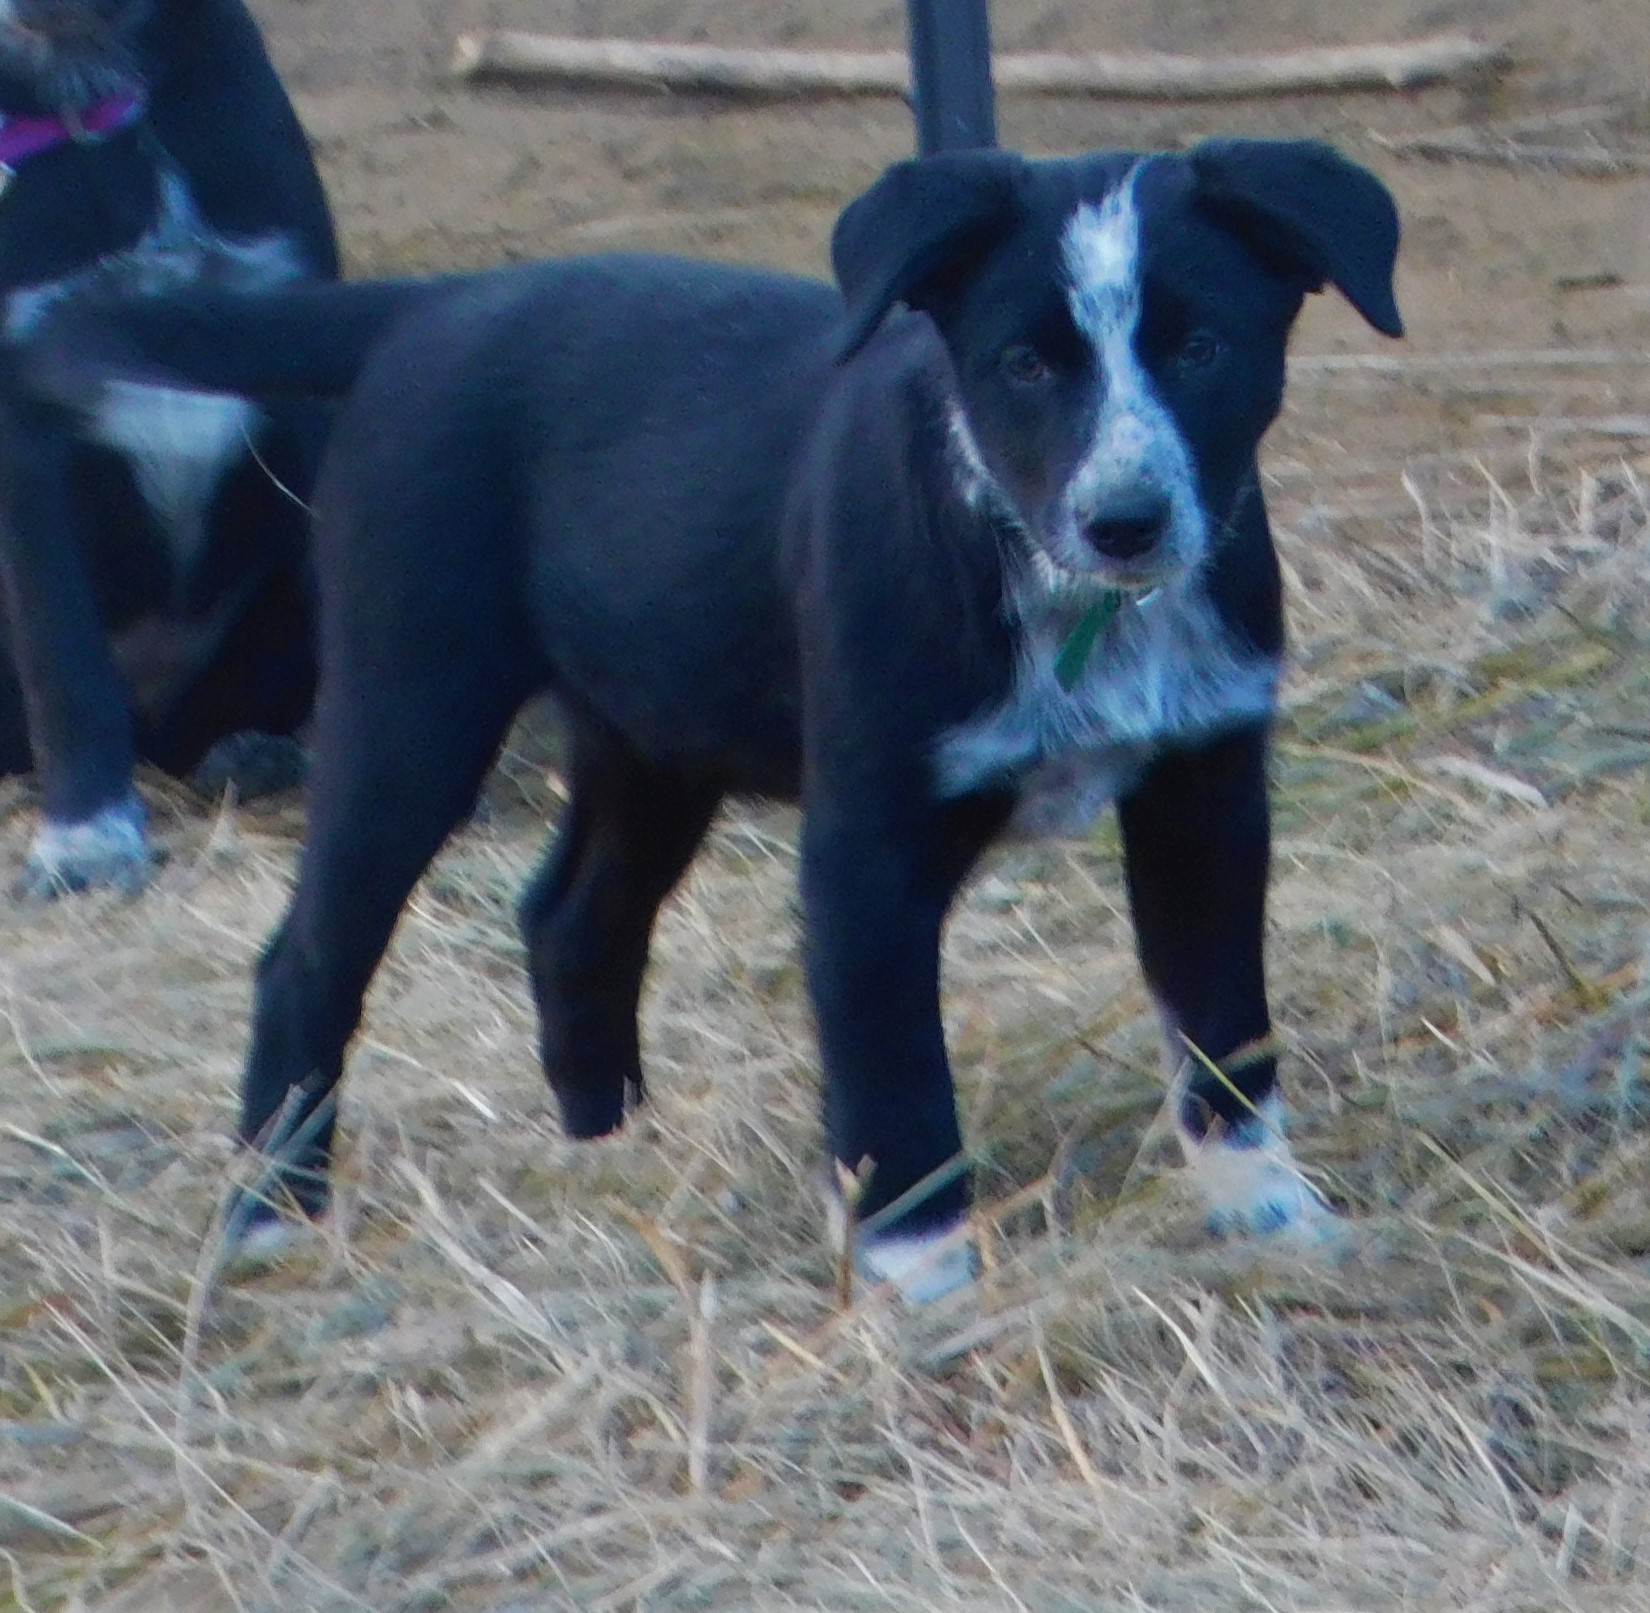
<point x="83" y="347"/>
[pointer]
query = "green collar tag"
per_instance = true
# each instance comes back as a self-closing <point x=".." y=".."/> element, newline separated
<point x="1080" y="641"/>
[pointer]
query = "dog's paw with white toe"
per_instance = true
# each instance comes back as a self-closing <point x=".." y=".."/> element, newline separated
<point x="921" y="1267"/>
<point x="268" y="1241"/>
<point x="1252" y="1185"/>
<point x="107" y="850"/>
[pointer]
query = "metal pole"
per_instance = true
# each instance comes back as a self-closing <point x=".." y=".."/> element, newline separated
<point x="951" y="93"/>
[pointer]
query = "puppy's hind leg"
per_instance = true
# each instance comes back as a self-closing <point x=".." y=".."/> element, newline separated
<point x="399" y="759"/>
<point x="628" y="834"/>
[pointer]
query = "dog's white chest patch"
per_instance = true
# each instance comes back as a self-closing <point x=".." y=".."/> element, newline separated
<point x="1166" y="671"/>
<point x="179" y="443"/>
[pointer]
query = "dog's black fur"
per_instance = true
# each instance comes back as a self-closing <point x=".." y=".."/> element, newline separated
<point x="646" y="487"/>
<point x="114" y="644"/>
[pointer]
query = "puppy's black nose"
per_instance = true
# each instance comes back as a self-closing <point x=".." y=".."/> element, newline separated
<point x="1125" y="532"/>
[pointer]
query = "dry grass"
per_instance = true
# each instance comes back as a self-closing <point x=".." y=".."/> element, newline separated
<point x="519" y="1374"/>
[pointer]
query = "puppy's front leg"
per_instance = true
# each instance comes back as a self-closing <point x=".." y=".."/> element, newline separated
<point x="79" y="721"/>
<point x="876" y="885"/>
<point x="1197" y="844"/>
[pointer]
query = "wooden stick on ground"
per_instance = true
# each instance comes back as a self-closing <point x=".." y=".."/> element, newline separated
<point x="731" y="71"/>
<point x="1492" y="146"/>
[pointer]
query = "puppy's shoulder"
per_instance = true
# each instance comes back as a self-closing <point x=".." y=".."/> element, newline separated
<point x="884" y="414"/>
<point x="880" y="518"/>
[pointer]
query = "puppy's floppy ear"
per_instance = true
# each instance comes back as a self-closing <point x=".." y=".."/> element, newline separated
<point x="921" y="226"/>
<point x="1304" y="207"/>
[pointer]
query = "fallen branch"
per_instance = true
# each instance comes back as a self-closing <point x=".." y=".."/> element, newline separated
<point x="508" y="54"/>
<point x="1473" y="145"/>
<point x="1538" y="358"/>
<point x="1632" y="426"/>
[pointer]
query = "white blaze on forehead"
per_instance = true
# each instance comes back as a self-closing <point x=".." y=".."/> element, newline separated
<point x="1101" y="250"/>
<point x="1135" y="448"/>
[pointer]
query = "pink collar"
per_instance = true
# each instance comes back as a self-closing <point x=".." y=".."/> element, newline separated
<point x="25" y="137"/>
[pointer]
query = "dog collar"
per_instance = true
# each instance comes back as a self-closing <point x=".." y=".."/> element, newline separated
<point x="1080" y="641"/>
<point x="25" y="137"/>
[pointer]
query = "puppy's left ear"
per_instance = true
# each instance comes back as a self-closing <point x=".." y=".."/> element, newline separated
<point x="917" y="231"/>
<point x="1302" y="206"/>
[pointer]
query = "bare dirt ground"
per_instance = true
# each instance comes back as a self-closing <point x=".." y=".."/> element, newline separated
<point x="515" y="1374"/>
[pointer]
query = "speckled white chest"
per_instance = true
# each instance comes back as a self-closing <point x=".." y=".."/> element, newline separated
<point x="1166" y="672"/>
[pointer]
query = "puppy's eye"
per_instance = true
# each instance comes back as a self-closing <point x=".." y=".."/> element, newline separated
<point x="1025" y="366"/>
<point x="1199" y="350"/>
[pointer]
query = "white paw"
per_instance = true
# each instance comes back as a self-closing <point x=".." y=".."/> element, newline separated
<point x="107" y="849"/>
<point x="267" y="1241"/>
<point x="921" y="1266"/>
<point x="1250" y="1180"/>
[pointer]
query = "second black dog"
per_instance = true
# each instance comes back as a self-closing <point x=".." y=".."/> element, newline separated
<point x="154" y="579"/>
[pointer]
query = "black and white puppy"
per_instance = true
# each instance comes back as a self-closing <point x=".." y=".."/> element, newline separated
<point x="993" y="561"/>
<point x="153" y="575"/>
<point x="1035" y="577"/>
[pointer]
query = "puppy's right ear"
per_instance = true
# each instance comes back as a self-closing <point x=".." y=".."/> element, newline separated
<point x="918" y="230"/>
